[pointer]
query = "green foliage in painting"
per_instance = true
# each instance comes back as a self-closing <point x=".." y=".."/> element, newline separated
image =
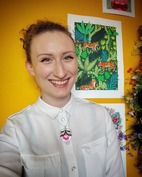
<point x="96" y="49"/>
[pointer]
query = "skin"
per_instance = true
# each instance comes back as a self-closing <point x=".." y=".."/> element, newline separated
<point x="54" y="66"/>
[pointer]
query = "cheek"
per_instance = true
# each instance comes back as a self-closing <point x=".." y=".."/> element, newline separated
<point x="42" y="72"/>
<point x="75" y="68"/>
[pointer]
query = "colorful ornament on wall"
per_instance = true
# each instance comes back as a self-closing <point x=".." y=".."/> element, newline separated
<point x="134" y="100"/>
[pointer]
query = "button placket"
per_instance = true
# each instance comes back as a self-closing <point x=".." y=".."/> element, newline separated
<point x="71" y="160"/>
<point x="62" y="119"/>
<point x="68" y="147"/>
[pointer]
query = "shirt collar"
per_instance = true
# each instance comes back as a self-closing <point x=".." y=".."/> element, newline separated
<point x="53" y="111"/>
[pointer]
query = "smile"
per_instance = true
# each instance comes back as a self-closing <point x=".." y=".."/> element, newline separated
<point x="55" y="82"/>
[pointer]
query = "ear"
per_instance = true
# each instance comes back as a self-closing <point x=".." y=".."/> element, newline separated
<point x="29" y="68"/>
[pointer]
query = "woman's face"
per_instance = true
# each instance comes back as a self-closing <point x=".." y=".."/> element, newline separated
<point x="54" y="66"/>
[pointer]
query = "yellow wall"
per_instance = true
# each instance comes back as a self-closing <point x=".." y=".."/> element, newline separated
<point x="16" y="86"/>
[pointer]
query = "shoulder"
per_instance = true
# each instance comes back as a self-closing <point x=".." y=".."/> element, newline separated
<point x="96" y="113"/>
<point x="21" y="114"/>
<point x="91" y="108"/>
<point x="88" y="107"/>
<point x="17" y="119"/>
<point x="89" y="104"/>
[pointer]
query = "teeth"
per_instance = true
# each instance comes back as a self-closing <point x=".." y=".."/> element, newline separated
<point x="59" y="82"/>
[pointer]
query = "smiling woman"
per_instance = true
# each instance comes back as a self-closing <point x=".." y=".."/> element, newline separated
<point x="54" y="65"/>
<point x="70" y="136"/>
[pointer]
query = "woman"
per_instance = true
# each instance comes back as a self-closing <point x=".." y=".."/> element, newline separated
<point x="59" y="135"/>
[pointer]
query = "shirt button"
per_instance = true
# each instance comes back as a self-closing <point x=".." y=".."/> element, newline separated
<point x="62" y="119"/>
<point x="61" y="110"/>
<point x="73" y="168"/>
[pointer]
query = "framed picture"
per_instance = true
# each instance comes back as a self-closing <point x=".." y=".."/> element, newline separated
<point x="120" y="7"/>
<point x="100" y="57"/>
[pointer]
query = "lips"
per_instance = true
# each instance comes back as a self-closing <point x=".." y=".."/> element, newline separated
<point x="59" y="83"/>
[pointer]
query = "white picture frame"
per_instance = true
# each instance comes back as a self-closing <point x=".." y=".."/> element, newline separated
<point x="107" y="8"/>
<point x="119" y="92"/>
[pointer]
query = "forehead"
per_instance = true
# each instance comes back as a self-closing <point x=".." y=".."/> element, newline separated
<point x="54" y="40"/>
<point x="52" y="36"/>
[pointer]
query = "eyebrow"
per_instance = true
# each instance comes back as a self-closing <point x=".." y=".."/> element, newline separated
<point x="52" y="54"/>
<point x="44" y="54"/>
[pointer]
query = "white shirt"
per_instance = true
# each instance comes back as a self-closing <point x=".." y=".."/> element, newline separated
<point x="31" y="146"/>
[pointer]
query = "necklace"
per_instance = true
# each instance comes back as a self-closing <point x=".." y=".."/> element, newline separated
<point x="66" y="135"/>
<point x="63" y="119"/>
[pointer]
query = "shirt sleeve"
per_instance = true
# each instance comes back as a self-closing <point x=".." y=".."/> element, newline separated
<point x="10" y="165"/>
<point x="114" y="159"/>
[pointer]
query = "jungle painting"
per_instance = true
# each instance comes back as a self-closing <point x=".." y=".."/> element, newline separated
<point x="97" y="55"/>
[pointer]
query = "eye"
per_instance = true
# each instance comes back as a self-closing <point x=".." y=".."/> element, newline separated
<point x="69" y="57"/>
<point x="46" y="60"/>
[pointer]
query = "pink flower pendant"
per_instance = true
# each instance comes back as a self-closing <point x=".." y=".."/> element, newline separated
<point x="65" y="135"/>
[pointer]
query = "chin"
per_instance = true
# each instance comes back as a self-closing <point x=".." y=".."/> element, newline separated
<point x="63" y="94"/>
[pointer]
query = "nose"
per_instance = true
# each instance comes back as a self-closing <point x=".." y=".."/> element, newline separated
<point x="60" y="70"/>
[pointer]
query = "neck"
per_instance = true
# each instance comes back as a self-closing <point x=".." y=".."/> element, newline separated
<point x="56" y="102"/>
